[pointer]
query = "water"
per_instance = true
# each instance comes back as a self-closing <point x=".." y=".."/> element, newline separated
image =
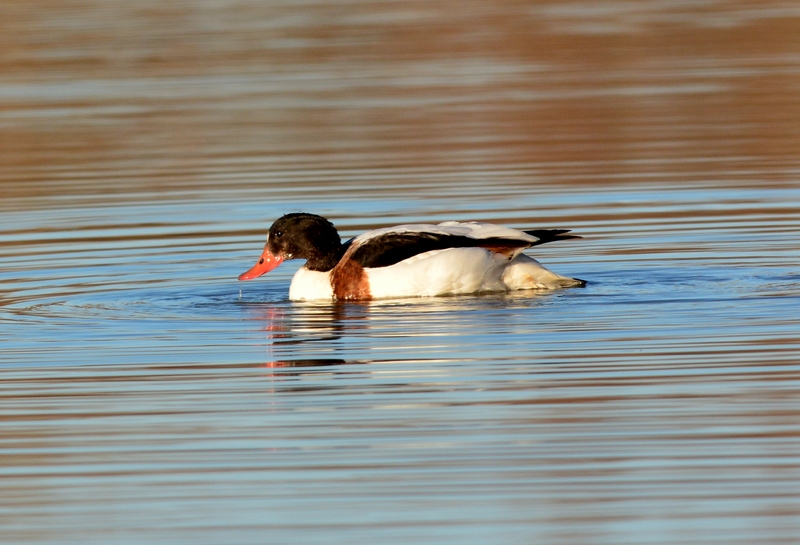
<point x="147" y="396"/>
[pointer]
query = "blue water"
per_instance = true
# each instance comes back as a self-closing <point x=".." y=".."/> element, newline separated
<point x="148" y="396"/>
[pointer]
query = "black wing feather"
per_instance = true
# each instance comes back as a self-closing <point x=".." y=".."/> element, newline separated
<point x="391" y="248"/>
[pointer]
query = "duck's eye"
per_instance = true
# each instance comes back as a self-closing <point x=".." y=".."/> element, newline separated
<point x="278" y="234"/>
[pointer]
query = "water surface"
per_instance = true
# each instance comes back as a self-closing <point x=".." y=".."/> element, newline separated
<point x="147" y="396"/>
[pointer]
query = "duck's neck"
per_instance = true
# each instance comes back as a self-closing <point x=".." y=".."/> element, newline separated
<point x="325" y="259"/>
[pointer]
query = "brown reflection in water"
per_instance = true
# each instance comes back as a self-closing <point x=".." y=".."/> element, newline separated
<point x="324" y="362"/>
<point x="118" y="97"/>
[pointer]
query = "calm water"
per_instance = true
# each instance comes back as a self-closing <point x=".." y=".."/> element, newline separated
<point x="147" y="396"/>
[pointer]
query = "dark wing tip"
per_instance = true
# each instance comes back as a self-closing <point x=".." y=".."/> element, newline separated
<point x="550" y="235"/>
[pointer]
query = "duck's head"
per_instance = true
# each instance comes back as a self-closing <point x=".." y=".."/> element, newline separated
<point x="299" y="236"/>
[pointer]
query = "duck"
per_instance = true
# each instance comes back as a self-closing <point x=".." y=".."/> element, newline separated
<point x="413" y="260"/>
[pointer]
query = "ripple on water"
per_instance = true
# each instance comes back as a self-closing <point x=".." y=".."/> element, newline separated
<point x="146" y="150"/>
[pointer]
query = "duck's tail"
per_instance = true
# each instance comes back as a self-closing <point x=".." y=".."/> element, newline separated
<point x="525" y="273"/>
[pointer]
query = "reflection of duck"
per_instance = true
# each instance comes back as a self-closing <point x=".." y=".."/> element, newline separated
<point x="407" y="260"/>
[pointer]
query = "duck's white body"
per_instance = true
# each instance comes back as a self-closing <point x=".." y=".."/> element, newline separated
<point x="449" y="271"/>
<point x="470" y="270"/>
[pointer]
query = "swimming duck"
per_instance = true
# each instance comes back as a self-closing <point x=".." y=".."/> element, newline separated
<point x="407" y="260"/>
